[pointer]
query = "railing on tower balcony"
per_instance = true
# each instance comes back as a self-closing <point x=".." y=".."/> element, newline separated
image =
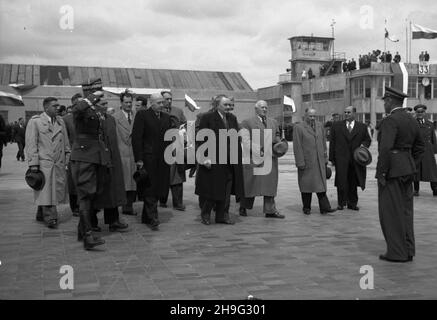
<point x="285" y="77"/>
<point x="339" y="56"/>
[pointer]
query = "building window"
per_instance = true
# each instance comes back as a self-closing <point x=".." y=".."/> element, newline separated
<point x="380" y="86"/>
<point x="306" y="97"/>
<point x="428" y="90"/>
<point x="322" y="96"/>
<point x="434" y="91"/>
<point x="339" y="94"/>
<point x="367" y="87"/>
<point x="358" y="88"/>
<point x="412" y="87"/>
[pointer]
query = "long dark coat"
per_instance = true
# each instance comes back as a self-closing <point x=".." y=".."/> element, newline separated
<point x="427" y="170"/>
<point x="211" y="183"/>
<point x="149" y="146"/>
<point x="309" y="148"/>
<point x="113" y="193"/>
<point x="341" y="151"/>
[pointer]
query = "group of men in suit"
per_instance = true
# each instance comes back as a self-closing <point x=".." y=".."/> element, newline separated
<point x="107" y="151"/>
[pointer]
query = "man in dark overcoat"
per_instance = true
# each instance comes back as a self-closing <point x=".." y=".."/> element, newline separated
<point x="148" y="145"/>
<point x="427" y="170"/>
<point x="217" y="180"/>
<point x="346" y="136"/>
<point x="20" y="138"/>
<point x="400" y="149"/>
<point x="113" y="193"/>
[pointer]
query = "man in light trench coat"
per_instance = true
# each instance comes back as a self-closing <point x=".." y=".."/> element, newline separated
<point x="48" y="150"/>
<point x="309" y="145"/>
<point x="124" y="119"/>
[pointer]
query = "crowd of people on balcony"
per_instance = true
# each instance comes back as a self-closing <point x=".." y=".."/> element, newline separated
<point x="365" y="60"/>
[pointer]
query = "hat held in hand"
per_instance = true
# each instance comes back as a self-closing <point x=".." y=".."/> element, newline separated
<point x="280" y="148"/>
<point x="362" y="156"/>
<point x="35" y="179"/>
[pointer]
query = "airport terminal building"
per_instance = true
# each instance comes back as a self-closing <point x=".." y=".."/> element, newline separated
<point x="330" y="89"/>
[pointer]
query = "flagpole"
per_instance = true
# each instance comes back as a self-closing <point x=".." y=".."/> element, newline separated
<point x="406" y="41"/>
<point x="385" y="38"/>
<point x="411" y="38"/>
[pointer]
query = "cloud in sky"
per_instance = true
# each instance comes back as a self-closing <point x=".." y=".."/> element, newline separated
<point x="247" y="36"/>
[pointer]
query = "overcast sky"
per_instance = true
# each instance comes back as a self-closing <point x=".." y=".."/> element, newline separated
<point x="247" y="36"/>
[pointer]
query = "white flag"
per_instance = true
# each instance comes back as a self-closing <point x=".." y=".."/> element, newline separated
<point x="190" y="103"/>
<point x="289" y="102"/>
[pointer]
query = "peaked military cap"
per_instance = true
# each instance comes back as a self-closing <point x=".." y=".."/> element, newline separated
<point x="420" y="106"/>
<point x="394" y="93"/>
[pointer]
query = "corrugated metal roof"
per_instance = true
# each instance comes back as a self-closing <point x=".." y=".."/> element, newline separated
<point x="122" y="77"/>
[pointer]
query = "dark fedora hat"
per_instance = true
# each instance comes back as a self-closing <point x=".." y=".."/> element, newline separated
<point x="142" y="179"/>
<point x="280" y="148"/>
<point x="362" y="156"/>
<point x="35" y="179"/>
<point x="328" y="173"/>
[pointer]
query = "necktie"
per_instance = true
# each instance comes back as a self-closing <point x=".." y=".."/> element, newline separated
<point x="128" y="118"/>
<point x="349" y="126"/>
<point x="158" y="114"/>
<point x="225" y="121"/>
<point x="264" y="121"/>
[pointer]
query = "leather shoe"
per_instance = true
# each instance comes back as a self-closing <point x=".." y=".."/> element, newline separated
<point x="53" y="224"/>
<point x="180" y="208"/>
<point x="206" y="222"/>
<point x="355" y="208"/>
<point x="154" y="227"/>
<point x="330" y="210"/>
<point x="275" y="215"/>
<point x="243" y="212"/>
<point x="117" y="226"/>
<point x="306" y="211"/>
<point x="96" y="229"/>
<point x="416" y="193"/>
<point x="340" y="207"/>
<point x="385" y="258"/>
<point x="163" y="205"/>
<point x="225" y="222"/>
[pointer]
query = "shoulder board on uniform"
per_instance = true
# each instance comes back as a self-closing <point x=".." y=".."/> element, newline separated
<point x="36" y="116"/>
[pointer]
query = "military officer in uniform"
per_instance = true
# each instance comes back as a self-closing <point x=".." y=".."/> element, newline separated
<point x="400" y="149"/>
<point x="427" y="170"/>
<point x="89" y="158"/>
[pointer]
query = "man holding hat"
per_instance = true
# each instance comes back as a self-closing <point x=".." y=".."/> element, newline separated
<point x="48" y="151"/>
<point x="309" y="145"/>
<point x="427" y="170"/>
<point x="260" y="185"/>
<point x="400" y="148"/>
<point x="148" y="146"/>
<point x="346" y="137"/>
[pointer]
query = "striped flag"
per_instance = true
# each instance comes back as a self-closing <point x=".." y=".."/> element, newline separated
<point x="190" y="103"/>
<point x="289" y="102"/>
<point x="420" y="32"/>
<point x="391" y="38"/>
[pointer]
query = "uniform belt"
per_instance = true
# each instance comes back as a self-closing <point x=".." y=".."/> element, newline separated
<point x="87" y="136"/>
